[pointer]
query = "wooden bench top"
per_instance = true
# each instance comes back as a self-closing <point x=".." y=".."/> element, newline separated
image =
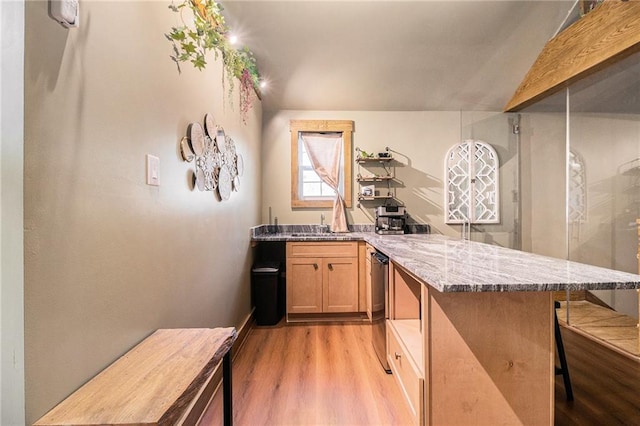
<point x="152" y="384"/>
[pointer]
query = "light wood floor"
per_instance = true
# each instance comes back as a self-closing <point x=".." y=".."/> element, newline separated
<point x="318" y="374"/>
<point x="326" y="374"/>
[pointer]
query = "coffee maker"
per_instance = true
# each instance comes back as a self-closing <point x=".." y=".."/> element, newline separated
<point x="390" y="220"/>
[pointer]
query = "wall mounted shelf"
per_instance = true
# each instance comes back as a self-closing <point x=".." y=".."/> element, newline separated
<point x="368" y="177"/>
<point x="374" y="197"/>
<point x="361" y="160"/>
<point x="375" y="179"/>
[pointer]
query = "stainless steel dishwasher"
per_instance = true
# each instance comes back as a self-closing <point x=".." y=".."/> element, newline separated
<point x="380" y="306"/>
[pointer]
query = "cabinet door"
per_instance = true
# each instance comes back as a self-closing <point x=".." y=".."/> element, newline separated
<point x="340" y="287"/>
<point x="304" y="285"/>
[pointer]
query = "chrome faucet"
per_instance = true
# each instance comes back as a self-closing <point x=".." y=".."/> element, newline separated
<point x="323" y="227"/>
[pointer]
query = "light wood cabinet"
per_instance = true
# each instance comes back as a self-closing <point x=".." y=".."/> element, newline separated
<point x="405" y="340"/>
<point x="405" y="359"/>
<point x="306" y="295"/>
<point x="462" y="356"/>
<point x="322" y="277"/>
<point x="340" y="284"/>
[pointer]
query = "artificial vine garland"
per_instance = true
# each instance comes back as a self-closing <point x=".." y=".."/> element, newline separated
<point x="209" y="32"/>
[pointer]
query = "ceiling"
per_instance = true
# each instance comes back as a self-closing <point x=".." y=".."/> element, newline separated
<point x="394" y="55"/>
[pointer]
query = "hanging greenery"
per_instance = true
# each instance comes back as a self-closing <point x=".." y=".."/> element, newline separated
<point x="208" y="31"/>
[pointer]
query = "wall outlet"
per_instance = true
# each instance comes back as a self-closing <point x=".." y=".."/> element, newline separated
<point x="153" y="170"/>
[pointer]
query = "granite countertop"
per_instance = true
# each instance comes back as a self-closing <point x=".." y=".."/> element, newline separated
<point x="320" y="232"/>
<point x="454" y="265"/>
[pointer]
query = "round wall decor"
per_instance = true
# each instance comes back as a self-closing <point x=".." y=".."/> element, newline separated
<point x="218" y="164"/>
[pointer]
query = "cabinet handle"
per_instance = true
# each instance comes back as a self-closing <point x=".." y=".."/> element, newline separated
<point x="398" y="356"/>
<point x="330" y="267"/>
<point x="315" y="266"/>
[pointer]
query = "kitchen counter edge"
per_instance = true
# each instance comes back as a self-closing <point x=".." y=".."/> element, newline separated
<point x="454" y="265"/>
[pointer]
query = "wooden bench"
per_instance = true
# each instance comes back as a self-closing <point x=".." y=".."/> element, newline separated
<point x="158" y="382"/>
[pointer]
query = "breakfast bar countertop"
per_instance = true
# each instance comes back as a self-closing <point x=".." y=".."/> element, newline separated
<point x="454" y="265"/>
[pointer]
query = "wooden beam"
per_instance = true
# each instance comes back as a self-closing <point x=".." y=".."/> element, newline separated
<point x="607" y="34"/>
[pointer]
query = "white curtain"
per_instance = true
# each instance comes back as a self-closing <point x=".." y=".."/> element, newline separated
<point x="325" y="153"/>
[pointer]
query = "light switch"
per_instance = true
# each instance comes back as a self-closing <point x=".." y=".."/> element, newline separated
<point x="153" y="170"/>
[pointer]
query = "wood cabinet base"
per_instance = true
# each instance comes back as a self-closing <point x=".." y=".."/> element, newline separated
<point x="490" y="358"/>
<point x="484" y="357"/>
<point x="405" y="368"/>
<point x="322" y="277"/>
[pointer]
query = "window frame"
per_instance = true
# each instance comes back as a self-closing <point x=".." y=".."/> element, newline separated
<point x="319" y="126"/>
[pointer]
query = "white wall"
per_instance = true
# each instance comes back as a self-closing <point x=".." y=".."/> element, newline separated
<point x="419" y="139"/>
<point x="497" y="129"/>
<point x="109" y="259"/>
<point x="609" y="145"/>
<point x="543" y="138"/>
<point x="607" y="238"/>
<point x="11" y="213"/>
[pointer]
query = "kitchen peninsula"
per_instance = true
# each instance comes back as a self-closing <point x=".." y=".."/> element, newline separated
<point x="471" y="325"/>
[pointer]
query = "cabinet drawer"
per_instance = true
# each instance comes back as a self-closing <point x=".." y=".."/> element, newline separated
<point x="406" y="373"/>
<point x="322" y="249"/>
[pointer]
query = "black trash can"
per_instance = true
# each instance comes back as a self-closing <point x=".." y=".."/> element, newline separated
<point x="266" y="293"/>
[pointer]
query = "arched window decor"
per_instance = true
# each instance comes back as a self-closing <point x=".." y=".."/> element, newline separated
<point x="577" y="188"/>
<point x="471" y="183"/>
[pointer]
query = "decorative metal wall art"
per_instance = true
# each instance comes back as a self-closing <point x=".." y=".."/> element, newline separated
<point x="577" y="188"/>
<point x="471" y="183"/>
<point x="218" y="164"/>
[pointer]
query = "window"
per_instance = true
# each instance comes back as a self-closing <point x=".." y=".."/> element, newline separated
<point x="310" y="185"/>
<point x="307" y="188"/>
<point x="471" y="183"/>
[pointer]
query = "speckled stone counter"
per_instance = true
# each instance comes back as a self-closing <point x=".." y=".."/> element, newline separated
<point x="307" y="233"/>
<point x="454" y="265"/>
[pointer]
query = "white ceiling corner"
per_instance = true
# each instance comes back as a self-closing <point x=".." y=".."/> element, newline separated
<point x="394" y="55"/>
